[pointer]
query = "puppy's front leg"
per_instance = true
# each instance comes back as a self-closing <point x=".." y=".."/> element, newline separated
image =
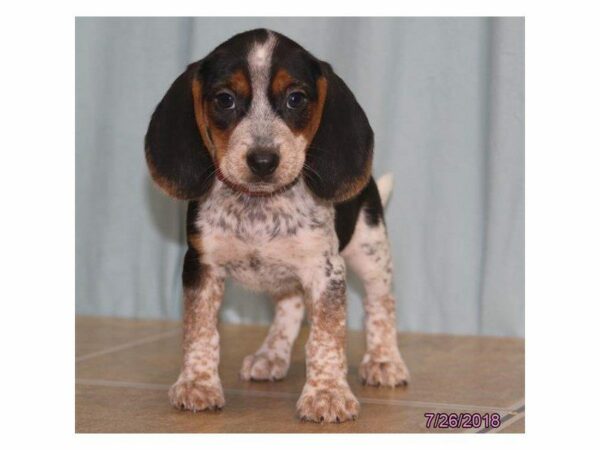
<point x="198" y="386"/>
<point x="326" y="395"/>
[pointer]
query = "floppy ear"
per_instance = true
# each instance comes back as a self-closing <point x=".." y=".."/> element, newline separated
<point x="177" y="157"/>
<point x="341" y="151"/>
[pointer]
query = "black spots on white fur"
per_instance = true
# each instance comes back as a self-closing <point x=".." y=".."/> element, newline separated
<point x="223" y="225"/>
<point x="328" y="268"/>
<point x="254" y="263"/>
<point x="378" y="252"/>
<point x="369" y="249"/>
<point x="264" y="275"/>
<point x="333" y="271"/>
<point x="256" y="215"/>
<point x="255" y="218"/>
<point x="336" y="280"/>
<point x="336" y="290"/>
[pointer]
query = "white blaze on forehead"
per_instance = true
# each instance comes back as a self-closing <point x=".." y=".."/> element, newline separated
<point x="259" y="63"/>
<point x="259" y="57"/>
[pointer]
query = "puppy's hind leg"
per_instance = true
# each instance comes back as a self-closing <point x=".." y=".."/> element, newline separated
<point x="368" y="254"/>
<point x="272" y="360"/>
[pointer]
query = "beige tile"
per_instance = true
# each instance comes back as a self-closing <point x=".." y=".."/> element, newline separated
<point x="121" y="409"/>
<point x="458" y="369"/>
<point x="485" y="372"/>
<point x="96" y="334"/>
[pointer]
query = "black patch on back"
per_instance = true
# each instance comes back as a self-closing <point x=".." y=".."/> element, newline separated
<point x="190" y="222"/>
<point x="346" y="213"/>
<point x="192" y="269"/>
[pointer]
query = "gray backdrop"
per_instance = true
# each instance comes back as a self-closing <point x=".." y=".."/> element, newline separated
<point x="445" y="97"/>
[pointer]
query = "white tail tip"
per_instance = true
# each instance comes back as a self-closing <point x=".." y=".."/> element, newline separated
<point x="385" y="184"/>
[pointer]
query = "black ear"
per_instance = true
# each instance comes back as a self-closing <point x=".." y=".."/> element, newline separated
<point x="178" y="159"/>
<point x="340" y="155"/>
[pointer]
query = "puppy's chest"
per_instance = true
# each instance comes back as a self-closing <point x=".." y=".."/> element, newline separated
<point x="262" y="242"/>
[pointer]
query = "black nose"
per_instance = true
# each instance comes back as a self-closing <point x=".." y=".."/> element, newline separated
<point x="262" y="162"/>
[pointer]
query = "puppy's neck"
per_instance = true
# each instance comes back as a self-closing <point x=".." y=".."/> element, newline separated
<point x="229" y="194"/>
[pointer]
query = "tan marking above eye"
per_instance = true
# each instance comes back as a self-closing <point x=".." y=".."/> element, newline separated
<point x="239" y="83"/>
<point x="281" y="81"/>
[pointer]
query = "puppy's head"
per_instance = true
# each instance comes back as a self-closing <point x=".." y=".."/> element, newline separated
<point x="259" y="112"/>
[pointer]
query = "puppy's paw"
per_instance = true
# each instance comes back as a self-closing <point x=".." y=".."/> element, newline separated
<point x="196" y="396"/>
<point x="327" y="404"/>
<point x="264" y="367"/>
<point x="389" y="373"/>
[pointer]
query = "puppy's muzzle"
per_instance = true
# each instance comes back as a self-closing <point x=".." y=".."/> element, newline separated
<point x="262" y="162"/>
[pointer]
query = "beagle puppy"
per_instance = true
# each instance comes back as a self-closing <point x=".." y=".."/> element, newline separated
<point x="273" y="153"/>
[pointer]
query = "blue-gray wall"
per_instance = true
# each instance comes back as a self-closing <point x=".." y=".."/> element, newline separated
<point x="445" y="97"/>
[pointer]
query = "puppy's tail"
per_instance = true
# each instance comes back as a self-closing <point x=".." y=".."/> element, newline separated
<point x="385" y="184"/>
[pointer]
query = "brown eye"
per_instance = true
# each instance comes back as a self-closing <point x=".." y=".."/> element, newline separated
<point x="225" y="100"/>
<point x="296" y="100"/>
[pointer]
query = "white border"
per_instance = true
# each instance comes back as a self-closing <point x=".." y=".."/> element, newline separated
<point x="563" y="222"/>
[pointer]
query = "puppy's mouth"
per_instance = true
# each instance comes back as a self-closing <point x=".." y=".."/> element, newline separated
<point x="255" y="189"/>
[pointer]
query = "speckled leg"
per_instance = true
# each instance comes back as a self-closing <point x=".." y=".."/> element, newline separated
<point x="326" y="396"/>
<point x="198" y="386"/>
<point x="368" y="254"/>
<point x="272" y="360"/>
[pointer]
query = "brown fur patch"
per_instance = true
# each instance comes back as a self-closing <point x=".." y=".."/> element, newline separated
<point x="195" y="241"/>
<point x="220" y="139"/>
<point x="199" y="113"/>
<point x="239" y="83"/>
<point x="281" y="81"/>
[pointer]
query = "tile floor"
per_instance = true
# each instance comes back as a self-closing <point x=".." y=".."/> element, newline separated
<point x="125" y="367"/>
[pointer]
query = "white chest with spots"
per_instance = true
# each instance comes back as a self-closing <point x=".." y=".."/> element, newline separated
<point x="265" y="243"/>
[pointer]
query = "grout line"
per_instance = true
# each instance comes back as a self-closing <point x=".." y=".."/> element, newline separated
<point x="423" y="404"/>
<point x="517" y="410"/>
<point x="292" y="395"/>
<point x="123" y="384"/>
<point x="510" y="421"/>
<point x="155" y="337"/>
<point x="518" y="406"/>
